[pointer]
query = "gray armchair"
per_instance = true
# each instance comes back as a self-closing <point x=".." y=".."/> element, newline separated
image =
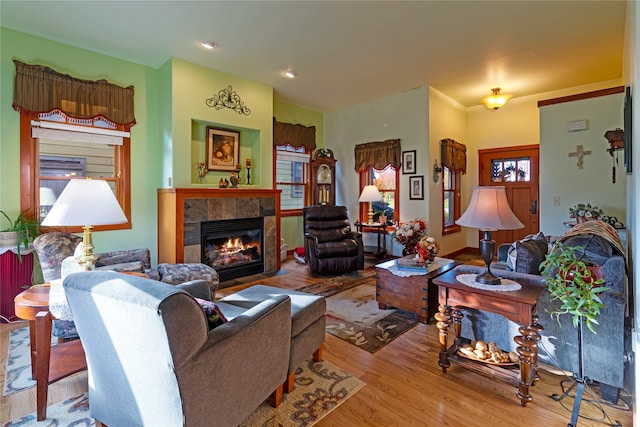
<point x="153" y="361"/>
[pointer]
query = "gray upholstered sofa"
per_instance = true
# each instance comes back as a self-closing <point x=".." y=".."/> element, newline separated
<point x="605" y="353"/>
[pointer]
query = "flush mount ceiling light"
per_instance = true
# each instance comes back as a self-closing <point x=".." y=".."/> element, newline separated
<point x="208" y="44"/>
<point x="496" y="99"/>
<point x="290" y="74"/>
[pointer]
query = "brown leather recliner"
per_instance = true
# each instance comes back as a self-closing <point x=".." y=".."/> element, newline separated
<point x="330" y="246"/>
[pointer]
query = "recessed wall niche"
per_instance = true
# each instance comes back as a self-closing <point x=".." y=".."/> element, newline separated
<point x="249" y="149"/>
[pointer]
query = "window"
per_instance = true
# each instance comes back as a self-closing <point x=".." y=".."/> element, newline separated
<point x="387" y="182"/>
<point x="69" y="122"/>
<point x="511" y="170"/>
<point x="57" y="151"/>
<point x="450" y="201"/>
<point x="292" y="172"/>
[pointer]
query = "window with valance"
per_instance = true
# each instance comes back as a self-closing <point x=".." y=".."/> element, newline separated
<point x="378" y="163"/>
<point x="70" y="121"/>
<point x="293" y="144"/>
<point x="453" y="157"/>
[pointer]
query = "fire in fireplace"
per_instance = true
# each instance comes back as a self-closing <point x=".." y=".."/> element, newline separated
<point x="233" y="247"/>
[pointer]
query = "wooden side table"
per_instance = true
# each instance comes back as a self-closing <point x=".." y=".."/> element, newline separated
<point x="380" y="250"/>
<point x="519" y="306"/>
<point x="48" y="364"/>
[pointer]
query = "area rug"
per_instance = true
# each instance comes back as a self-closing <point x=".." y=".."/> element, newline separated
<point x="18" y="372"/>
<point x="353" y="315"/>
<point x="319" y="389"/>
<point x="333" y="285"/>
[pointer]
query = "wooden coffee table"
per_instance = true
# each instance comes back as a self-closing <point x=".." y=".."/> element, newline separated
<point x="416" y="293"/>
<point x="48" y="363"/>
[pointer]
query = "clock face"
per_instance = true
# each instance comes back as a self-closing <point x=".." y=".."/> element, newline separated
<point x="324" y="174"/>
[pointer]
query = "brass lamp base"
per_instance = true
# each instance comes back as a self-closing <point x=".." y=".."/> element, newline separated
<point x="87" y="260"/>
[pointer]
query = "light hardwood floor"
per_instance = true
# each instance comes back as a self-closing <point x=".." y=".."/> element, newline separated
<point x="404" y="384"/>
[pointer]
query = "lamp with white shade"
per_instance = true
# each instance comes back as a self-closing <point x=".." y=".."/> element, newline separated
<point x="47" y="199"/>
<point x="85" y="203"/>
<point x="489" y="211"/>
<point x="370" y="193"/>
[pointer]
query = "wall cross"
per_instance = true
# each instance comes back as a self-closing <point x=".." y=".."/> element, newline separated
<point x="580" y="153"/>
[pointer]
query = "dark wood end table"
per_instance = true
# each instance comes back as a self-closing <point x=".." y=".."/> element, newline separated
<point x="519" y="306"/>
<point x="416" y="293"/>
<point x="48" y="363"/>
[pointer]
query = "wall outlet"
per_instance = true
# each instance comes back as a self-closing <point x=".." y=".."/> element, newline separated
<point x="556" y="200"/>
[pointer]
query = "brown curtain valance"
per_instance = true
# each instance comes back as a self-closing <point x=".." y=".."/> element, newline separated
<point x="453" y="155"/>
<point x="294" y="135"/>
<point x="39" y="89"/>
<point x="378" y="155"/>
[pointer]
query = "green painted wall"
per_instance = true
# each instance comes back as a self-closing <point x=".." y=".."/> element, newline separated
<point x="146" y="147"/>
<point x="292" y="227"/>
<point x="169" y="137"/>
<point x="191" y="86"/>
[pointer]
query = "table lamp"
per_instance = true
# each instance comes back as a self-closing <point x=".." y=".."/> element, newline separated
<point x="370" y="193"/>
<point x="47" y="199"/>
<point x="489" y="211"/>
<point x="85" y="203"/>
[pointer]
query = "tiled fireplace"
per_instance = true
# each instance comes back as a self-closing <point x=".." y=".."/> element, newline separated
<point x="183" y="214"/>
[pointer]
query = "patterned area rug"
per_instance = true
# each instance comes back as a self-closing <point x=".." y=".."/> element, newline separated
<point x="18" y="373"/>
<point x="319" y="389"/>
<point x="353" y="315"/>
<point x="333" y="285"/>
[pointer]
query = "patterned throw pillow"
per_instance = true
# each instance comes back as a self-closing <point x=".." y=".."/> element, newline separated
<point x="525" y="256"/>
<point x="212" y="311"/>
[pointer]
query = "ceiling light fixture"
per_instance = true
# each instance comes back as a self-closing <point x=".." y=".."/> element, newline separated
<point x="208" y="44"/>
<point x="290" y="74"/>
<point x="496" y="99"/>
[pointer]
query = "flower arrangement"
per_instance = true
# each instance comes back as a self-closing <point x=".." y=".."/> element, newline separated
<point x="409" y="233"/>
<point x="202" y="171"/>
<point x="585" y="212"/>
<point x="427" y="248"/>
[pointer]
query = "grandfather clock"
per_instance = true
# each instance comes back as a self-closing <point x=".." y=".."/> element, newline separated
<point x="323" y="178"/>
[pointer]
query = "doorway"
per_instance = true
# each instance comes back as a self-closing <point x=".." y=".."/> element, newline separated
<point x="517" y="169"/>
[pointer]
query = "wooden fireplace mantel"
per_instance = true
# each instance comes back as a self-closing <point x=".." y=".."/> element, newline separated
<point x="181" y="210"/>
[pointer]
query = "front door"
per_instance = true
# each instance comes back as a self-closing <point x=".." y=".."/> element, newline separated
<point x="515" y="168"/>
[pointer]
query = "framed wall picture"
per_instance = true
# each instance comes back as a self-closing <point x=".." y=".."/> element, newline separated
<point x="416" y="187"/>
<point x="408" y="162"/>
<point x="223" y="149"/>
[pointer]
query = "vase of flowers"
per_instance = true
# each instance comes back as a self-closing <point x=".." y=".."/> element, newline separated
<point x="202" y="171"/>
<point x="408" y="234"/>
<point x="585" y="212"/>
<point x="427" y="248"/>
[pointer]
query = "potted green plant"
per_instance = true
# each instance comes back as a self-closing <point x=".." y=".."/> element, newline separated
<point x="20" y="232"/>
<point x="575" y="283"/>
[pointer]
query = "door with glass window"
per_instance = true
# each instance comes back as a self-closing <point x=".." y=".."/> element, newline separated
<point x="515" y="168"/>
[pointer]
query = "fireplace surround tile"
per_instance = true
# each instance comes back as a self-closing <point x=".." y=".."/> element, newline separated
<point x="198" y="205"/>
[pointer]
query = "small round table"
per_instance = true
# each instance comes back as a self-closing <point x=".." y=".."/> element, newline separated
<point x="48" y="363"/>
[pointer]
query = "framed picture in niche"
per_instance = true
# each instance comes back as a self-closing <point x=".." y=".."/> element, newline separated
<point x="416" y="187"/>
<point x="223" y="149"/>
<point x="408" y="162"/>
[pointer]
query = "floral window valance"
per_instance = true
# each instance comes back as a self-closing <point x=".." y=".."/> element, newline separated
<point x="453" y="155"/>
<point x="294" y="135"/>
<point x="39" y="89"/>
<point x="378" y="155"/>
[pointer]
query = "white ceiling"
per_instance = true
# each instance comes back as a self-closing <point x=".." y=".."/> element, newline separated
<point x="350" y="52"/>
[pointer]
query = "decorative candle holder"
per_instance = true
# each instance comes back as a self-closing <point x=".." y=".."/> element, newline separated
<point x="248" y="165"/>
